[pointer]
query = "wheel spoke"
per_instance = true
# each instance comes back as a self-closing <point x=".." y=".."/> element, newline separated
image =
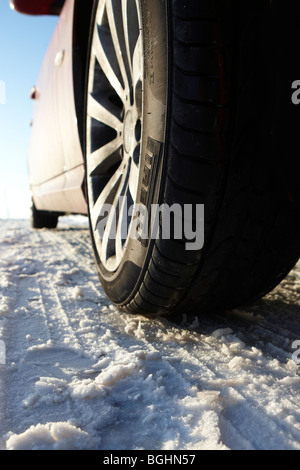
<point x="106" y="197"/>
<point x="111" y="233"/>
<point x="116" y="42"/>
<point x="108" y="240"/>
<point x="104" y="158"/>
<point x="106" y="66"/>
<point x="98" y="112"/>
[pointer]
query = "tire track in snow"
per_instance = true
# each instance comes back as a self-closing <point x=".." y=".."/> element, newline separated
<point x="77" y="367"/>
<point x="120" y="362"/>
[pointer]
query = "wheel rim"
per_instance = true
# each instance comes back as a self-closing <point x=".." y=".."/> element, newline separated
<point x="114" y="125"/>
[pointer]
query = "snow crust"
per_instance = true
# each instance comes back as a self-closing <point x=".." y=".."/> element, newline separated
<point x="79" y="374"/>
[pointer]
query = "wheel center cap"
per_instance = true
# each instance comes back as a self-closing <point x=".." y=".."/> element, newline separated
<point x="128" y="131"/>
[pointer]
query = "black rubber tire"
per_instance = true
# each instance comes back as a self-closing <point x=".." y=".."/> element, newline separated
<point x="43" y="219"/>
<point x="229" y="143"/>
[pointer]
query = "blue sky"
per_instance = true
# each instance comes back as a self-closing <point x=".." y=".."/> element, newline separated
<point x="23" y="43"/>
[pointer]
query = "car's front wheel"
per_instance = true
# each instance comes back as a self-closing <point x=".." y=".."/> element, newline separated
<point x="190" y="203"/>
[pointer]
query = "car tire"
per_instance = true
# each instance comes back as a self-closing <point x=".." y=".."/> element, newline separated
<point x="42" y="219"/>
<point x="177" y="116"/>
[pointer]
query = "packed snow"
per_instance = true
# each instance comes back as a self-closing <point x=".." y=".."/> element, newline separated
<point x="79" y="374"/>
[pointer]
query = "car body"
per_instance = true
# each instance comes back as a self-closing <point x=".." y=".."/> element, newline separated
<point x="37" y="7"/>
<point x="55" y="157"/>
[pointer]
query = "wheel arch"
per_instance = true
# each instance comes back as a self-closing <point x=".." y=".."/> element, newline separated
<point x="81" y="33"/>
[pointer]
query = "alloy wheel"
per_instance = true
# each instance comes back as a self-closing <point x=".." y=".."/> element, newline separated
<point x="114" y="125"/>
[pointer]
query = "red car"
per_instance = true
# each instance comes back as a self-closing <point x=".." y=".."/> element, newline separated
<point x="172" y="124"/>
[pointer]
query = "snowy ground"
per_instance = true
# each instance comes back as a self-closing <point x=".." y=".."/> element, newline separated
<point x="81" y="375"/>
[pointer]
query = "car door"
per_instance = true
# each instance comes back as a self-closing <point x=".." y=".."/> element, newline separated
<point x="55" y="157"/>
